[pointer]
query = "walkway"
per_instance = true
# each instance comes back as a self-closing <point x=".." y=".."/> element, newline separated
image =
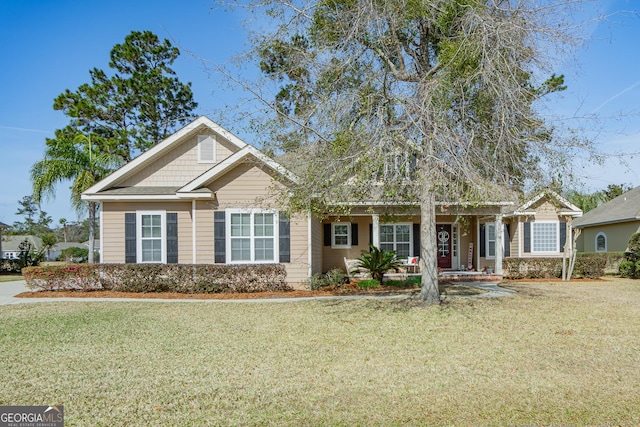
<point x="8" y="291"/>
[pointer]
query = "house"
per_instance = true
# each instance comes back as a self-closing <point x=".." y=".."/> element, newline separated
<point x="2" y="225"/>
<point x="55" y="252"/>
<point x="11" y="245"/>
<point x="204" y="196"/>
<point x="609" y="227"/>
<point x="541" y="227"/>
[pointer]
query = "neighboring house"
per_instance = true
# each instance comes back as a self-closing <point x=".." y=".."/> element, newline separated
<point x="11" y="245"/>
<point x="541" y="227"/>
<point x="609" y="227"/>
<point x="2" y="225"/>
<point x="205" y="196"/>
<point x="56" y="250"/>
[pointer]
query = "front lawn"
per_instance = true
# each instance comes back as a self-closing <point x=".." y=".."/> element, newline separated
<point x="553" y="354"/>
<point x="10" y="277"/>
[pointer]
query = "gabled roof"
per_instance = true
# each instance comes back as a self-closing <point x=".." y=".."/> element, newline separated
<point x="623" y="208"/>
<point x="528" y="207"/>
<point x="12" y="243"/>
<point x="160" y="149"/>
<point x="229" y="163"/>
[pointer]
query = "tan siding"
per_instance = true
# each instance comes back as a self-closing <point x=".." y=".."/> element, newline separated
<point x="204" y="232"/>
<point x="298" y="268"/>
<point x="179" y="166"/>
<point x="113" y="232"/>
<point x="245" y="186"/>
<point x="316" y="245"/>
<point x="113" y="223"/>
<point x="618" y="236"/>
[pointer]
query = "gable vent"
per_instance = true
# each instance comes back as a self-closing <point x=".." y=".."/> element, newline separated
<point x="206" y="149"/>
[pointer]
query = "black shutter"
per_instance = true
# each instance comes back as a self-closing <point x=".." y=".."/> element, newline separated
<point x="130" y="249"/>
<point x="563" y="235"/>
<point x="219" y="236"/>
<point x="172" y="238"/>
<point x="354" y="234"/>
<point x="284" y="230"/>
<point x="507" y="240"/>
<point x="527" y="237"/>
<point x="327" y="234"/>
<point x="416" y="239"/>
<point x="483" y="240"/>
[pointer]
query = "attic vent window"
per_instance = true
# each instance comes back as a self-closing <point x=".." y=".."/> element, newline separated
<point x="206" y="149"/>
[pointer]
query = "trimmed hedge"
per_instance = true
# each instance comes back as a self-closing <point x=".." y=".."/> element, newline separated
<point x="10" y="265"/>
<point x="183" y="278"/>
<point x="588" y="265"/>
<point x="69" y="277"/>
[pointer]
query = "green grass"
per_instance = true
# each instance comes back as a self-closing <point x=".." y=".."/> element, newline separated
<point x="10" y="277"/>
<point x="561" y="354"/>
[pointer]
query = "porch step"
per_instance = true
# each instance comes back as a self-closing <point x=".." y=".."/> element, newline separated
<point x="464" y="276"/>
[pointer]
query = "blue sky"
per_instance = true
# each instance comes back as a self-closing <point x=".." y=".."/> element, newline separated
<point x="50" y="46"/>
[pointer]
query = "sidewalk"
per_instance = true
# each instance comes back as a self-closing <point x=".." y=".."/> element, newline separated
<point x="8" y="291"/>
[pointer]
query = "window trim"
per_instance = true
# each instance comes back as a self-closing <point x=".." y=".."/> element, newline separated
<point x="606" y="242"/>
<point x="333" y="235"/>
<point x="163" y="236"/>
<point x="395" y="242"/>
<point x="252" y="212"/>
<point x="557" y="240"/>
<point x="201" y="139"/>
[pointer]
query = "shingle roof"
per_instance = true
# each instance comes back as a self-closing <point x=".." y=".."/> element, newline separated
<point x="12" y="243"/>
<point x="623" y="208"/>
<point x="3" y="225"/>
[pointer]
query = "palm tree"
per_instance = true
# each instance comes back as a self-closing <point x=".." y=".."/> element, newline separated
<point x="70" y="157"/>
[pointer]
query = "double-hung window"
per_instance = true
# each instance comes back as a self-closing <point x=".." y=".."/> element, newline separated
<point x="341" y="235"/>
<point x="151" y="237"/>
<point x="396" y="237"/>
<point x="545" y="236"/>
<point x="491" y="240"/>
<point x="252" y="236"/>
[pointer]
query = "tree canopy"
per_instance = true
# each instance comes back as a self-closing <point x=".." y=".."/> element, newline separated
<point x="136" y="105"/>
<point x="413" y="100"/>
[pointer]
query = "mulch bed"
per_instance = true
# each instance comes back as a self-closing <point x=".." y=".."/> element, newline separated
<point x="349" y="289"/>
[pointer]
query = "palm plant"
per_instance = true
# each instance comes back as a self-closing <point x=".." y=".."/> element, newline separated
<point x="378" y="262"/>
<point x="71" y="157"/>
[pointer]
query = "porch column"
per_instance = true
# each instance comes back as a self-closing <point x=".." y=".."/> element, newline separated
<point x="376" y="230"/>
<point x="499" y="243"/>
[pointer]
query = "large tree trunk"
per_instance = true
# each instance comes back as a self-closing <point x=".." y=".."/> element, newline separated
<point x="92" y="230"/>
<point x="428" y="250"/>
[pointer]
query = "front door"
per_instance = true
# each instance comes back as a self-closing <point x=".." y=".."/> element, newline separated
<point x="443" y="236"/>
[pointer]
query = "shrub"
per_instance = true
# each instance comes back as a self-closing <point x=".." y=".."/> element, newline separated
<point x="184" y="278"/>
<point x="336" y="277"/>
<point x="75" y="254"/>
<point x="70" y="277"/>
<point x="10" y="266"/>
<point x="628" y="269"/>
<point x="590" y="265"/>
<point x="333" y="277"/>
<point x="369" y="284"/>
<point x="316" y="281"/>
<point x="378" y="262"/>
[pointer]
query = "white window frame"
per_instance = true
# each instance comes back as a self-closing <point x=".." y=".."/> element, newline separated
<point x="201" y="140"/>
<point x="557" y="241"/>
<point x="334" y="245"/>
<point x="487" y="240"/>
<point x="252" y="237"/>
<point x="604" y="235"/>
<point x="163" y="236"/>
<point x="395" y="241"/>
